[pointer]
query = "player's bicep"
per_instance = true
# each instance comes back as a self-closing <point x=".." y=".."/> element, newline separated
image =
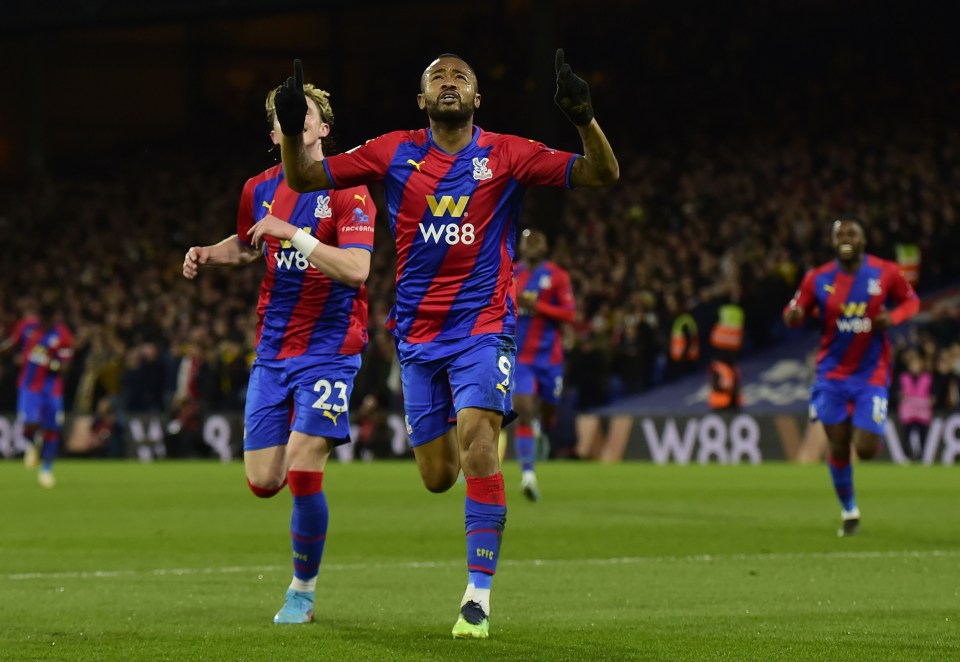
<point x="356" y="217"/>
<point x="362" y="164"/>
<point x="901" y="290"/>
<point x="535" y="164"/>
<point x="245" y="215"/>
<point x="805" y="296"/>
<point x="564" y="291"/>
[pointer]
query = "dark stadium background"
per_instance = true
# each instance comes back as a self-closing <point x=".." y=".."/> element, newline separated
<point x="142" y="94"/>
<point x="84" y="79"/>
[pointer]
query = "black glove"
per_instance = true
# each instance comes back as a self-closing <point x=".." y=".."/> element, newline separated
<point x="290" y="104"/>
<point x="573" y="93"/>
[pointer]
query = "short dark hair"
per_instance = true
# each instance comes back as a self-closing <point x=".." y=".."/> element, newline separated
<point x="851" y="218"/>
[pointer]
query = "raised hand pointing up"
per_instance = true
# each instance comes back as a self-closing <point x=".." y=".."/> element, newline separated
<point x="573" y="93"/>
<point x="291" y="104"/>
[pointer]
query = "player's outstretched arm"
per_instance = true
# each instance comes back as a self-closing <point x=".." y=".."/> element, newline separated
<point x="229" y="252"/>
<point x="908" y="303"/>
<point x="599" y="166"/>
<point x="299" y="168"/>
<point x="350" y="266"/>
<point x="801" y="304"/>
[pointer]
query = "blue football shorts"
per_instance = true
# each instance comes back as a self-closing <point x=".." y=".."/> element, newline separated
<point x="309" y="394"/>
<point x="442" y="377"/>
<point x="40" y="409"/>
<point x="836" y="401"/>
<point x="543" y="381"/>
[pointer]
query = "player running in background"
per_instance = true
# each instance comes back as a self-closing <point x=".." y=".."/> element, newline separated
<point x="454" y="192"/>
<point x="46" y="350"/>
<point x="312" y="327"/>
<point x="853" y="364"/>
<point x="545" y="300"/>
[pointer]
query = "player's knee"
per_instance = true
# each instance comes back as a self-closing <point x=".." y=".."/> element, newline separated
<point x="524" y="417"/>
<point x="266" y="488"/>
<point x="438" y="474"/>
<point x="867" y="450"/>
<point x="266" y="492"/>
<point x="479" y="435"/>
<point x="439" y="481"/>
<point x="438" y="486"/>
<point x="524" y="407"/>
<point x="839" y="451"/>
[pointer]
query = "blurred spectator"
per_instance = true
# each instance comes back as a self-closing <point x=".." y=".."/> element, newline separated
<point x="97" y="434"/>
<point x="588" y="366"/>
<point x="915" y="410"/>
<point x="945" y="387"/>
<point x="195" y="386"/>
<point x="143" y="383"/>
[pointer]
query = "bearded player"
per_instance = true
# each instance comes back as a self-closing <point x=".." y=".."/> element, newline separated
<point x="312" y="327"/>
<point x="852" y="294"/>
<point x="454" y="192"/>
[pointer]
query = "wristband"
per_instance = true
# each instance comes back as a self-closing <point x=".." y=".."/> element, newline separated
<point x="303" y="242"/>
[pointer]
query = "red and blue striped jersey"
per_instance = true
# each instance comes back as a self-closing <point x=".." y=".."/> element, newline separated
<point x="454" y="218"/>
<point x="848" y="303"/>
<point x="539" y="333"/>
<point x="302" y="311"/>
<point x="44" y="355"/>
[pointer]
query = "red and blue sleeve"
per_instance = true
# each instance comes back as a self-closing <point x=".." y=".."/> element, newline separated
<point x="363" y="164"/>
<point x="65" y="349"/>
<point x="535" y="164"/>
<point x="17" y="336"/>
<point x="245" y="219"/>
<point x="564" y="310"/>
<point x="803" y="299"/>
<point x="356" y="217"/>
<point x="902" y="293"/>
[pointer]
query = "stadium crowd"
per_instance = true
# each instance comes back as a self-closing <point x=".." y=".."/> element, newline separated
<point x="690" y="226"/>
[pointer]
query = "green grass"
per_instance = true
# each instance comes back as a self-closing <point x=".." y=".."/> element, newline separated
<point x="178" y="561"/>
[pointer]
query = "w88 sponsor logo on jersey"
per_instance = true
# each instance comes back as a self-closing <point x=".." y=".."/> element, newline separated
<point x="291" y="260"/>
<point x="449" y="233"/>
<point x="855" y="325"/>
<point x="854" y="318"/>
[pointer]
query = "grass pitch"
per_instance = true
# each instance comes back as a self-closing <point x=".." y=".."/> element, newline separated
<point x="178" y="561"/>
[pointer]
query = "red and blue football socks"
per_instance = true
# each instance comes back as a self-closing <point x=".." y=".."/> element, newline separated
<point x="485" y="512"/>
<point x="308" y="526"/>
<point x="841" y="471"/>
<point x="51" y="446"/>
<point x="525" y="446"/>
